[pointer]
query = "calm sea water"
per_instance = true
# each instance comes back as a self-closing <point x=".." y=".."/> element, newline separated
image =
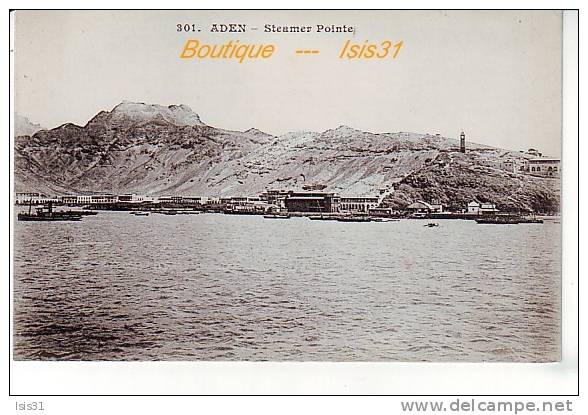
<point x="221" y="287"/>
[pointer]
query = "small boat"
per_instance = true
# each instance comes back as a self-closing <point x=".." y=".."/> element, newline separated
<point x="167" y="212"/>
<point x="140" y="213"/>
<point x="322" y="217"/>
<point x="431" y="225"/>
<point x="499" y="220"/>
<point x="46" y="214"/>
<point x="81" y="212"/>
<point x="531" y="220"/>
<point x="277" y="216"/>
<point x="354" y="219"/>
<point x="47" y="218"/>
<point x="188" y="212"/>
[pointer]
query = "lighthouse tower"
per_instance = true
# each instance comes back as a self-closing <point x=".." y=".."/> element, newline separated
<point x="462" y="142"/>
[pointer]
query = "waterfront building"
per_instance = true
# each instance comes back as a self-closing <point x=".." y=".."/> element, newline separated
<point x="237" y="200"/>
<point x="134" y="198"/>
<point x="474" y="207"/>
<point x="34" y="198"/>
<point x="175" y="200"/>
<point x="488" y="209"/>
<point x="225" y="200"/>
<point x="276" y="197"/>
<point x="239" y="204"/>
<point x="69" y="200"/>
<point x="243" y="200"/>
<point x="125" y="198"/>
<point x="192" y="200"/>
<point x="436" y="208"/>
<point x="380" y="211"/>
<point x="320" y="202"/>
<point x="477" y="208"/>
<point x="419" y="207"/>
<point x="213" y="201"/>
<point x="83" y="199"/>
<point x="358" y="204"/>
<point x="240" y="200"/>
<point x="105" y="198"/>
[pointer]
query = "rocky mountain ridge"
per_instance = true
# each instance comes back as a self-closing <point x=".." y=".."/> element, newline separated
<point x="153" y="149"/>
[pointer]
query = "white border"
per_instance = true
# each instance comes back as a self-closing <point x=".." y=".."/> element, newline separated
<point x="340" y="378"/>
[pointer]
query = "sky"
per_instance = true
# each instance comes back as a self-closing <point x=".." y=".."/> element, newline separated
<point x="494" y="74"/>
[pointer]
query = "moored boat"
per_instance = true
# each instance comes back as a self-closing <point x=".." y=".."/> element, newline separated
<point x="354" y="219"/>
<point x="46" y="214"/>
<point x="531" y="220"/>
<point x="81" y="212"/>
<point x="140" y="213"/>
<point x="277" y="216"/>
<point x="323" y="217"/>
<point x="167" y="211"/>
<point x="499" y="220"/>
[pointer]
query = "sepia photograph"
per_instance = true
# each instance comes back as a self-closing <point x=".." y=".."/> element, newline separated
<point x="286" y="186"/>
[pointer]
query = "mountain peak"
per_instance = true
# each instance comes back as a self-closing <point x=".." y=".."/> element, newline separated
<point x="256" y="131"/>
<point x="345" y="129"/>
<point x="180" y="115"/>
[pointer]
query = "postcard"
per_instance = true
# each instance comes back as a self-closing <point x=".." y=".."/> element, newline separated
<point x="287" y="186"/>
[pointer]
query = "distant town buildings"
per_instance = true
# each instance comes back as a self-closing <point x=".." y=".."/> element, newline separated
<point x="292" y="201"/>
<point x="278" y="200"/>
<point x="532" y="162"/>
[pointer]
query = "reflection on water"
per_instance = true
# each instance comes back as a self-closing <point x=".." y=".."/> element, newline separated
<point x="221" y="287"/>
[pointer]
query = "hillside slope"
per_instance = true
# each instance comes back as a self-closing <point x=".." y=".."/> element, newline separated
<point x="152" y="149"/>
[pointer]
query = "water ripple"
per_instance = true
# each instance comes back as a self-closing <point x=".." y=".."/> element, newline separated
<point x="220" y="287"/>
